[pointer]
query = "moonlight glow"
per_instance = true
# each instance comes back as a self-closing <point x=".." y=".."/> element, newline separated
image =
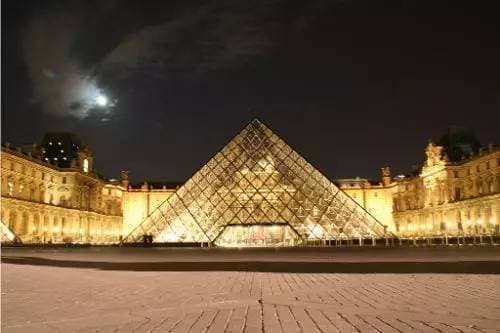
<point x="84" y="95"/>
<point x="101" y="100"/>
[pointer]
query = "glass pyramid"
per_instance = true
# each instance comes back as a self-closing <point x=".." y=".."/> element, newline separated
<point x="257" y="191"/>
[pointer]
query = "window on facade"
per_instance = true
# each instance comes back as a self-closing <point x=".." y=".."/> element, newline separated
<point x="64" y="180"/>
<point x="375" y="194"/>
<point x="455" y="174"/>
<point x="479" y="185"/>
<point x="85" y="165"/>
<point x="43" y="175"/>
<point x="10" y="184"/>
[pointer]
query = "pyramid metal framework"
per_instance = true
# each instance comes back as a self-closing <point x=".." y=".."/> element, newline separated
<point x="257" y="181"/>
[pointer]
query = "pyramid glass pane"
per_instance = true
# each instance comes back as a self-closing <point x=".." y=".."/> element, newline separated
<point x="257" y="192"/>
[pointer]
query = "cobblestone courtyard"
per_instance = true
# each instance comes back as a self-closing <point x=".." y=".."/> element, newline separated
<point x="55" y="299"/>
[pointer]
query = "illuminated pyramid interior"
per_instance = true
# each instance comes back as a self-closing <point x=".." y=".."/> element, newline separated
<point x="257" y="191"/>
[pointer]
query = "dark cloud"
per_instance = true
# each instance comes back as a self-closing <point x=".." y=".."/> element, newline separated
<point x="352" y="85"/>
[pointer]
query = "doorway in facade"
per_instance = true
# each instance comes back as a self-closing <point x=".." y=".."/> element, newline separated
<point x="258" y="235"/>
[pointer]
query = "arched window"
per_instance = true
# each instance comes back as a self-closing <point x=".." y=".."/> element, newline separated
<point x="479" y="186"/>
<point x="12" y="220"/>
<point x="36" y="224"/>
<point x="62" y="201"/>
<point x="24" y="224"/>
<point x="85" y="165"/>
<point x="64" y="226"/>
<point x="55" y="226"/>
<point x="46" y="224"/>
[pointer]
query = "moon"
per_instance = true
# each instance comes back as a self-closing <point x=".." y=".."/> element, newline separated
<point x="101" y="100"/>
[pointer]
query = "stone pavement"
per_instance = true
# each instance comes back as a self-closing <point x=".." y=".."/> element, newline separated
<point x="54" y="299"/>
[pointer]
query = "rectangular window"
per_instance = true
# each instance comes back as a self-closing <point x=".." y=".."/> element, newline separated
<point x="64" y="180"/>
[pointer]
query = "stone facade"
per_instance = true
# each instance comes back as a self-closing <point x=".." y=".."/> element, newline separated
<point x="449" y="198"/>
<point x="138" y="203"/>
<point x="376" y="198"/>
<point x="445" y="198"/>
<point x="44" y="203"/>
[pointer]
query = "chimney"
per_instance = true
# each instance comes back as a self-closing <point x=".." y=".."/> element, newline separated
<point x="124" y="178"/>
<point x="386" y="175"/>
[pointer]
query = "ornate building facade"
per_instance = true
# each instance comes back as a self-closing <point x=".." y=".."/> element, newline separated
<point x="42" y="202"/>
<point x="445" y="198"/>
<point x="449" y="198"/>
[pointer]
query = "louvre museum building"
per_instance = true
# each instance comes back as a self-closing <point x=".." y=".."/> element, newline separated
<point x="256" y="191"/>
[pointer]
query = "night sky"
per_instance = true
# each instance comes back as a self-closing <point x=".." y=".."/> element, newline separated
<point x="351" y="85"/>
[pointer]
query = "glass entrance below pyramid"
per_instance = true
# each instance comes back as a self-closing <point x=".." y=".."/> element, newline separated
<point x="258" y="235"/>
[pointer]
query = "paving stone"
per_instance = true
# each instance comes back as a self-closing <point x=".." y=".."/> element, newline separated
<point x="53" y="299"/>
